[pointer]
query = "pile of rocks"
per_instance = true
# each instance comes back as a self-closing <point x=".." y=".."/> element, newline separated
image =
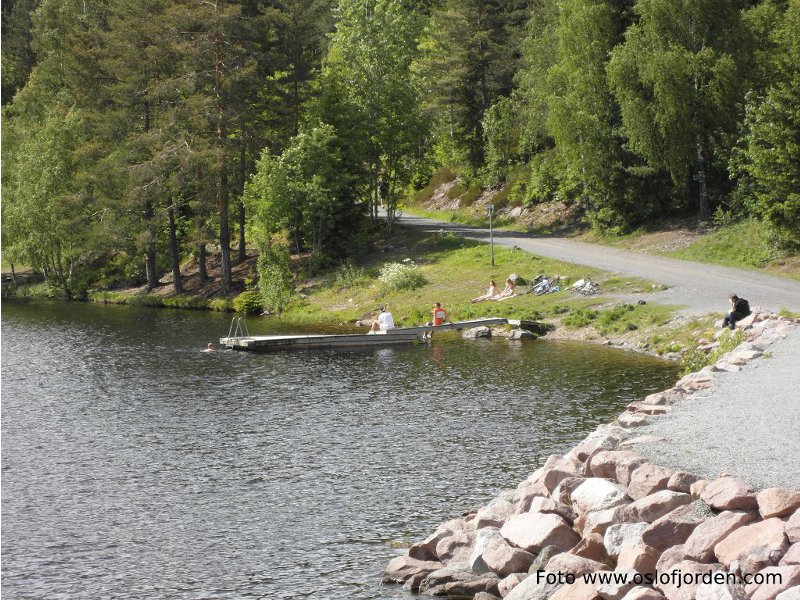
<point x="602" y="508"/>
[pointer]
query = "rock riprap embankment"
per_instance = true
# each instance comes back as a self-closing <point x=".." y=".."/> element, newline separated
<point x="604" y="522"/>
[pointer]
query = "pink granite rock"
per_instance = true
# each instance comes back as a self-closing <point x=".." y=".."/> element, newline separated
<point x="643" y="593"/>
<point x="569" y="563"/>
<point x="670" y="557"/>
<point x="591" y="547"/>
<point x="620" y="534"/>
<point x="508" y="583"/>
<point x="682" y="481"/>
<point x="526" y="492"/>
<point x="792" y="556"/>
<point x="673" y="528"/>
<point x="686" y="588"/>
<point x="792" y="593"/>
<point x="777" y="502"/>
<point x="648" y="479"/>
<point x="615" y="589"/>
<point x="600" y="521"/>
<point x="503" y="559"/>
<point x="638" y="557"/>
<point x="456" y="548"/>
<point x="401" y="568"/>
<point x="721" y="591"/>
<point x="617" y="465"/>
<point x="494" y="514"/>
<point x="793" y="527"/>
<point x="657" y="505"/>
<point x="729" y="493"/>
<point x="561" y="469"/>
<point x="534" y="531"/>
<point x="755" y="546"/>
<point x="700" y="545"/>
<point x="604" y="438"/>
<point x="777" y="580"/>
<point x="698" y="487"/>
<point x="562" y="496"/>
<point x="580" y="590"/>
<point x="596" y="494"/>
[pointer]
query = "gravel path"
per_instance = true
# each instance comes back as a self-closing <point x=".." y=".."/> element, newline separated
<point x="747" y="424"/>
<point x="698" y="288"/>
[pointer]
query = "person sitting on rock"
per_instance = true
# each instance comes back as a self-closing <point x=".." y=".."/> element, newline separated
<point x="491" y="293"/>
<point x="740" y="309"/>
<point x="508" y="291"/>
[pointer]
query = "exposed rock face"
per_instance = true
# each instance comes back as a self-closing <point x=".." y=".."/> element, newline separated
<point x="754" y="546"/>
<point x="597" y="494"/>
<point x="729" y="493"/>
<point x="700" y="544"/>
<point x="657" y="505"/>
<point x="648" y="479"/>
<point x="675" y="527"/>
<point x="534" y="531"/>
<point x="777" y="502"/>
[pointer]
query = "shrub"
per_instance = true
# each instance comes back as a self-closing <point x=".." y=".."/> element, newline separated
<point x="401" y="276"/>
<point x="350" y="275"/>
<point x="579" y="318"/>
<point x="249" y="302"/>
<point x="192" y="302"/>
<point x="220" y="304"/>
<point x="695" y="359"/>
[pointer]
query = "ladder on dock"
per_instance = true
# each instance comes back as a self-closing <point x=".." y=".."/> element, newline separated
<point x="237" y="330"/>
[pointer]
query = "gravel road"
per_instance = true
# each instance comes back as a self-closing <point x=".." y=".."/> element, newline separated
<point x="748" y="424"/>
<point x="697" y="287"/>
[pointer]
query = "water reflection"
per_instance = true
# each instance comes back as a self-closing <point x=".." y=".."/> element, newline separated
<point x="136" y="465"/>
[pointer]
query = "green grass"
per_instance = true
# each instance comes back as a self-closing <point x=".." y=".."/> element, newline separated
<point x="456" y="270"/>
<point x="745" y="244"/>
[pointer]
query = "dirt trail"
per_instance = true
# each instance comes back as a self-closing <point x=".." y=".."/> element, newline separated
<point x="697" y="287"/>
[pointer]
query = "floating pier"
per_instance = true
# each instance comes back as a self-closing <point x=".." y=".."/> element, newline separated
<point x="241" y="340"/>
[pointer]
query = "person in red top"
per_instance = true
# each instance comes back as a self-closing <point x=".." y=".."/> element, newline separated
<point x="439" y="315"/>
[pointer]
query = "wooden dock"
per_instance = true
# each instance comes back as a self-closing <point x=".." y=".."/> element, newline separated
<point x="398" y="335"/>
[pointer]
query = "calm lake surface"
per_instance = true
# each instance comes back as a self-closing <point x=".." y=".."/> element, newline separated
<point x="136" y="466"/>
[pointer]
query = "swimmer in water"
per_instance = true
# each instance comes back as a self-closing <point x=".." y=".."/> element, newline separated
<point x="210" y="348"/>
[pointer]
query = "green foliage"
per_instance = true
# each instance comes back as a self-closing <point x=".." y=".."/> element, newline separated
<point x="401" y="276"/>
<point x="578" y="318"/>
<point x="186" y="302"/>
<point x="220" y="305"/>
<point x="695" y="359"/>
<point x="275" y="278"/>
<point x="249" y="302"/>
<point x="746" y="244"/>
<point x="350" y="275"/>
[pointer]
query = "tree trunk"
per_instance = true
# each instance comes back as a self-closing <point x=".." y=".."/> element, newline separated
<point x="224" y="231"/>
<point x="243" y="177"/>
<point x="174" y="256"/>
<point x="702" y="200"/>
<point x="150" y="248"/>
<point x="201" y="263"/>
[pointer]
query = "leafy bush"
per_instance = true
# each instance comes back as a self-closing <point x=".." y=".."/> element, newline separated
<point x="401" y="276"/>
<point x="275" y="283"/>
<point x="220" y="304"/>
<point x="695" y="359"/>
<point x="249" y="302"/>
<point x="579" y="318"/>
<point x="192" y="302"/>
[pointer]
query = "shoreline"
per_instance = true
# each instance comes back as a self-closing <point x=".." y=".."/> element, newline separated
<point x="603" y="507"/>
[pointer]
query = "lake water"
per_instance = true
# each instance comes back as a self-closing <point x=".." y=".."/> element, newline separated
<point x="136" y="466"/>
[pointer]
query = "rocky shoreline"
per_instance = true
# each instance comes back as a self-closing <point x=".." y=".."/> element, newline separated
<point x="602" y="522"/>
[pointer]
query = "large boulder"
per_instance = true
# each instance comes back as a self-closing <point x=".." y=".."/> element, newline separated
<point x="675" y="527"/>
<point x="670" y="557"/>
<point x="755" y="547"/>
<point x="605" y="437"/>
<point x="700" y="544"/>
<point x="599" y="521"/>
<point x="793" y="527"/>
<point x="643" y="593"/>
<point x="569" y="563"/>
<point x="494" y="514"/>
<point x="456" y="581"/>
<point x="777" y="502"/>
<point x="504" y="559"/>
<point x="622" y="533"/>
<point x="776" y="580"/>
<point x="543" y="558"/>
<point x="580" y="590"/>
<point x="401" y="568"/>
<point x="534" y="587"/>
<point x="792" y="556"/>
<point x="657" y="505"/>
<point x="597" y="494"/>
<point x="729" y="493"/>
<point x="508" y="583"/>
<point x="457" y="548"/>
<point x="615" y="464"/>
<point x="548" y="505"/>
<point x="681" y="481"/>
<point x="684" y="587"/>
<point x="477" y="332"/>
<point x="591" y="547"/>
<point x="648" y="479"/>
<point x="721" y="591"/>
<point x="790" y="594"/>
<point x="534" y="531"/>
<point x="485" y="538"/>
<point x="638" y="557"/>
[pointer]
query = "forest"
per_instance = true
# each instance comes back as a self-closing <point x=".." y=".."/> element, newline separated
<point x="140" y="134"/>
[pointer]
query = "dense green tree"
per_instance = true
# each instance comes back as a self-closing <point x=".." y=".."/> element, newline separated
<point x="772" y="139"/>
<point x="680" y="82"/>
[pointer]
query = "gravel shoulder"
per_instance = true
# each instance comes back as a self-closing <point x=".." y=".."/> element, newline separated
<point x="698" y="288"/>
<point x="747" y="425"/>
